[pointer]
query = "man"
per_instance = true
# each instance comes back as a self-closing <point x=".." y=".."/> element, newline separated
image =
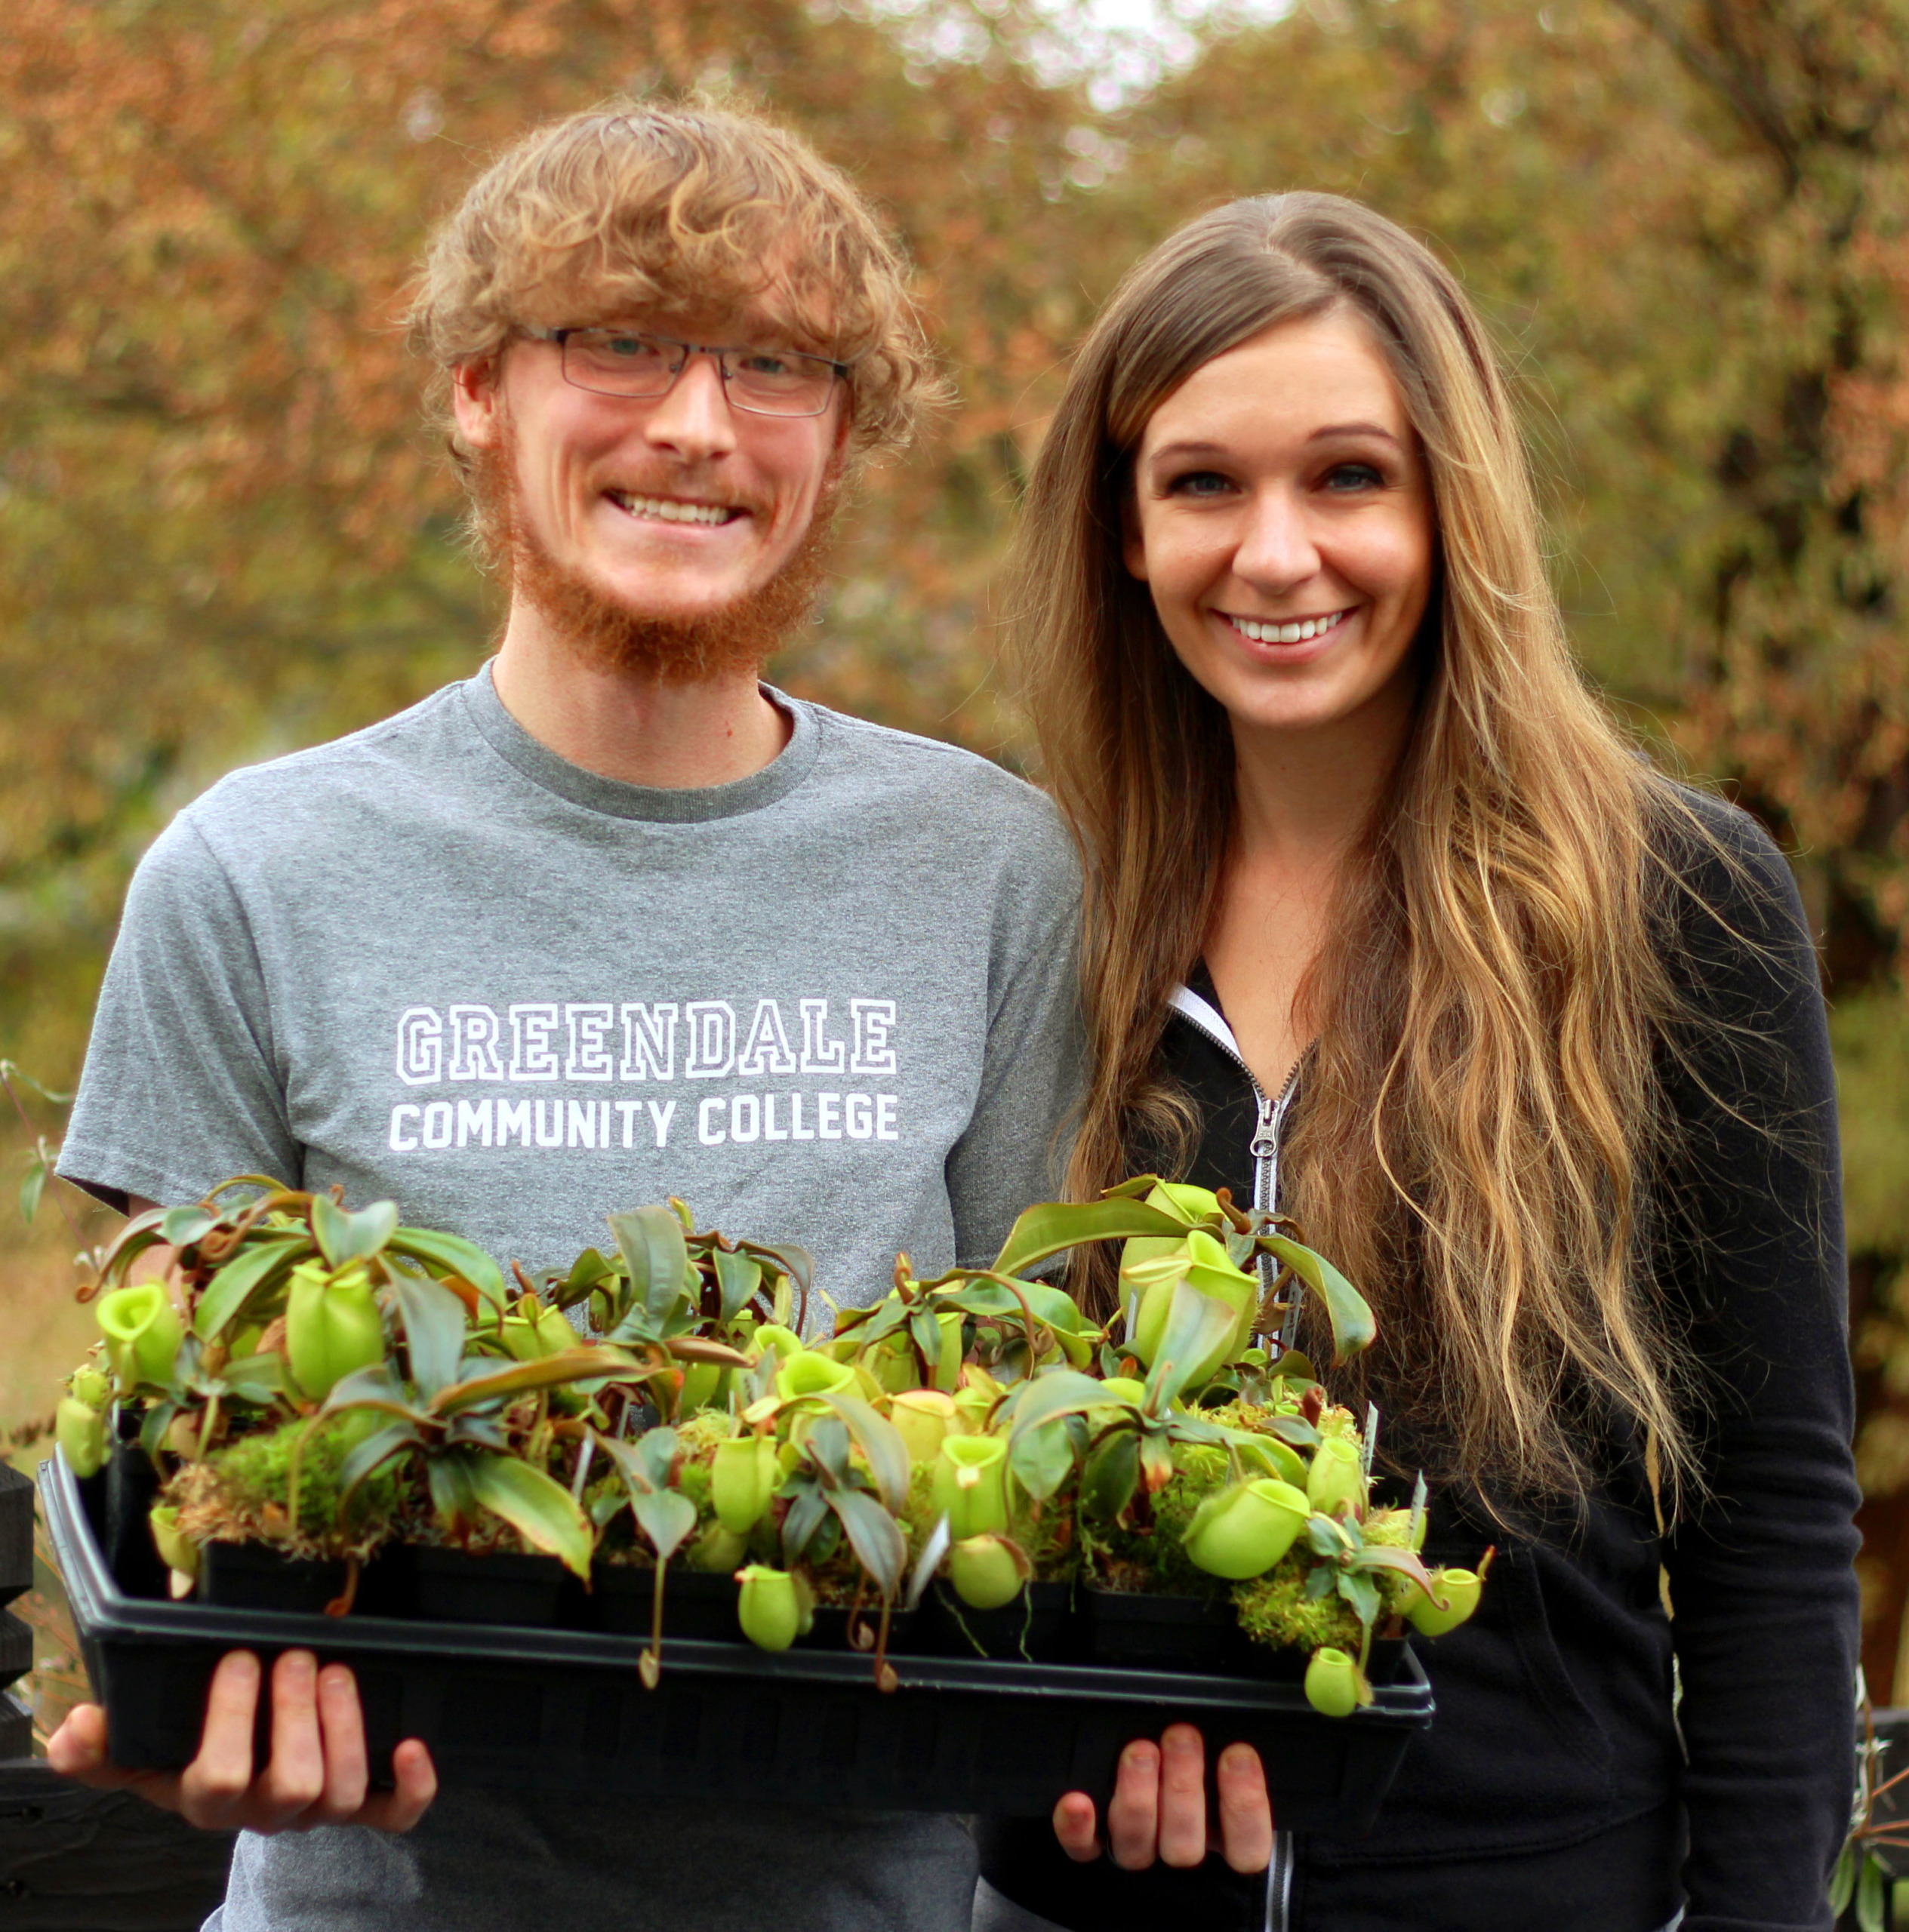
<point x="610" y="920"/>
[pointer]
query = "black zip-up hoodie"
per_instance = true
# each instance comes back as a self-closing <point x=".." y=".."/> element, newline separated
<point x="1555" y="1792"/>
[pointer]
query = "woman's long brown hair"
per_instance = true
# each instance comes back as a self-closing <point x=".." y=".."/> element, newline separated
<point x="1482" y="1114"/>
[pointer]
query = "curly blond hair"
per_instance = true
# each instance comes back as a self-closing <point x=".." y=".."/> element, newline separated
<point x="663" y="210"/>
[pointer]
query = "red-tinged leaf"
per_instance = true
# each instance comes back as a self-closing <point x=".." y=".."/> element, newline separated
<point x="541" y="1509"/>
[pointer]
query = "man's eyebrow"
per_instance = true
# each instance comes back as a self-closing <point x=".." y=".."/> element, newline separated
<point x="1194" y="447"/>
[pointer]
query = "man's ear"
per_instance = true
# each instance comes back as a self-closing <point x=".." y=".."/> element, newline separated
<point x="1133" y="545"/>
<point x="476" y="401"/>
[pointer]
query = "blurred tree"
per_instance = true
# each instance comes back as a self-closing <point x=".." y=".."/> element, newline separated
<point x="222" y="530"/>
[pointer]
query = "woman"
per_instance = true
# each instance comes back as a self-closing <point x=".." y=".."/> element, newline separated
<point x="1388" y="925"/>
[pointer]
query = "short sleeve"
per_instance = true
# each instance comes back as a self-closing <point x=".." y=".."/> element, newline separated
<point x="180" y="1090"/>
<point x="1013" y="1150"/>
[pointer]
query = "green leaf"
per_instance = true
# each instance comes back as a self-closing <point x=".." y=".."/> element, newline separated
<point x="1321" y="1581"/>
<point x="254" y="1378"/>
<point x="370" y="1454"/>
<point x="1842" y="1882"/>
<point x="797" y="1263"/>
<point x="139" y="1234"/>
<point x="589" y="1269"/>
<point x="343" y="1236"/>
<point x="9" y="1072"/>
<point x="881" y="1442"/>
<point x="1326" y="1538"/>
<point x="258" y="1267"/>
<point x="737" y="1277"/>
<point x="1384" y="1556"/>
<point x="806" y="1514"/>
<point x="491" y="1384"/>
<point x="434" y="1329"/>
<point x="983" y="1297"/>
<point x="1363" y="1594"/>
<point x="1042" y="1458"/>
<point x="925" y="1332"/>
<point x="1271" y="1454"/>
<point x="1112" y="1474"/>
<point x="700" y="1347"/>
<point x="33" y="1186"/>
<point x="1055" y="1306"/>
<point x="934" y="1548"/>
<point x="451" y="1254"/>
<point x="827" y="1444"/>
<point x="1052" y="1227"/>
<point x="152" y="1430"/>
<point x="1295" y="1429"/>
<point x="373" y="1388"/>
<point x="666" y="1517"/>
<point x="1195" y="1324"/>
<point x="1156" y="1459"/>
<point x="1183" y="1426"/>
<point x="651" y="1242"/>
<point x="1060" y="1391"/>
<point x="1869" y="1915"/>
<point x="541" y="1509"/>
<point x="875" y="1537"/>
<point x="183" y="1225"/>
<point x="1136" y="1187"/>
<point x="1353" y="1325"/>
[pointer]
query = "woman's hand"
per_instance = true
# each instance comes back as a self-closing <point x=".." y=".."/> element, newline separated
<point x="318" y="1773"/>
<point x="1160" y="1807"/>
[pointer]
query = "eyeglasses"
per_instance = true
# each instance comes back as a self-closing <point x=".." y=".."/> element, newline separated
<point x="633" y="362"/>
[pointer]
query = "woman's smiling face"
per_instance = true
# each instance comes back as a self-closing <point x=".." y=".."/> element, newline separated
<point x="1282" y="517"/>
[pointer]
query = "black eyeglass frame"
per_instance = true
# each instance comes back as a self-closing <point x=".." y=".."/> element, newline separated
<point x="839" y="372"/>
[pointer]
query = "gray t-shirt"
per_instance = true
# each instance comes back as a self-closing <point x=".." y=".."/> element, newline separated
<point x="832" y="1003"/>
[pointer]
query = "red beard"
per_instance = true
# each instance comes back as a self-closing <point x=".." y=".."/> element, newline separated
<point x="741" y="636"/>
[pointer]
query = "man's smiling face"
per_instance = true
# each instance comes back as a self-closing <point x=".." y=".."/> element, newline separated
<point x="675" y="510"/>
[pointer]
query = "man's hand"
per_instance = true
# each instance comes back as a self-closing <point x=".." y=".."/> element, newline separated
<point x="1160" y="1807"/>
<point x="317" y="1774"/>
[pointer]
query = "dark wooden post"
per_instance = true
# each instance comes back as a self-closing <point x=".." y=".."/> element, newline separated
<point x="16" y="1579"/>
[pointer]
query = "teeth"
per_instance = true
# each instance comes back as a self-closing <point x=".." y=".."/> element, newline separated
<point x="1268" y="633"/>
<point x="666" y="509"/>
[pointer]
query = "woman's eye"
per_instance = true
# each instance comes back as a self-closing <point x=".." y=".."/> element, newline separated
<point x="1199" y="483"/>
<point x="1348" y="477"/>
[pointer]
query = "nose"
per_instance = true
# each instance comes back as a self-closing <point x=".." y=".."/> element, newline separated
<point x="1278" y="550"/>
<point x="693" y="420"/>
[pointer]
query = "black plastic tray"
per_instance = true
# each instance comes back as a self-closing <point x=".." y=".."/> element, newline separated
<point x="563" y="1710"/>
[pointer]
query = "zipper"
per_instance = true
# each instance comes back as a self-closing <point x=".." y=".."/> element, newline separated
<point x="1264" y="1147"/>
<point x="1279" y="1883"/>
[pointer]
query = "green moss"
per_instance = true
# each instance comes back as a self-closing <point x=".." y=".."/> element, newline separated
<point x="699" y="1432"/>
<point x="1274" y="1610"/>
<point x="240" y="1494"/>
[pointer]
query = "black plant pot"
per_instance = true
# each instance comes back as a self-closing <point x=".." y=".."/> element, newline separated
<point x="131" y="1483"/>
<point x="453" y="1586"/>
<point x="259" y="1576"/>
<point x="1037" y="1627"/>
<point x="835" y="1624"/>
<point x="1161" y="1632"/>
<point x="696" y="1603"/>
